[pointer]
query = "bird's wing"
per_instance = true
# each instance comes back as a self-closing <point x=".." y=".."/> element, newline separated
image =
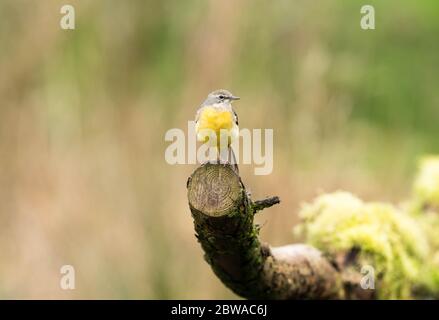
<point x="197" y="115"/>
<point x="236" y="117"/>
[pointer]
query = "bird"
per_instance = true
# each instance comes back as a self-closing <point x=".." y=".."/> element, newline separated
<point x="216" y="123"/>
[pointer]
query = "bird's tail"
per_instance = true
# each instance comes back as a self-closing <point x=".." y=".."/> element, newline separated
<point x="233" y="160"/>
<point x="228" y="156"/>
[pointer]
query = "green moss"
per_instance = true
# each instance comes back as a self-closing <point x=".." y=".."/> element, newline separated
<point x="389" y="239"/>
<point x="424" y="207"/>
<point x="401" y="244"/>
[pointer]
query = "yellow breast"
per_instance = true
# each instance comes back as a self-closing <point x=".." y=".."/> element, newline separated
<point x="220" y="121"/>
<point x="214" y="119"/>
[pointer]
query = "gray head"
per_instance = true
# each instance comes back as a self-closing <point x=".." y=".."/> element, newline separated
<point x="220" y="96"/>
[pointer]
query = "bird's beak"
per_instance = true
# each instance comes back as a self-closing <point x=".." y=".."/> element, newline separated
<point x="234" y="98"/>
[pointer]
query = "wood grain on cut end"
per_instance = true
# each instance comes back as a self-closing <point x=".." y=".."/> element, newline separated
<point x="214" y="190"/>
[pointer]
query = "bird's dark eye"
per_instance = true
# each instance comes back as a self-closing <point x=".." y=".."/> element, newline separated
<point x="221" y="97"/>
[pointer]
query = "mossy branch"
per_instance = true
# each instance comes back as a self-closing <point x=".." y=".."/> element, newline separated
<point x="399" y="243"/>
<point x="223" y="218"/>
<point x="259" y="205"/>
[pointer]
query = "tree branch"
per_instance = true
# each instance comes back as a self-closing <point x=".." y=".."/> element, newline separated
<point x="259" y="205"/>
<point x="223" y="220"/>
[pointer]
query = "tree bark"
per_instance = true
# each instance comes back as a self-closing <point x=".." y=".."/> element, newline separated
<point x="223" y="218"/>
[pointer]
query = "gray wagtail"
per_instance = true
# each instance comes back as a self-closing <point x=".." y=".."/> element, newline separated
<point x="216" y="123"/>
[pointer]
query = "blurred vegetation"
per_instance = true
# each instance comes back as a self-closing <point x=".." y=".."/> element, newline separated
<point x="395" y="244"/>
<point x="83" y="115"/>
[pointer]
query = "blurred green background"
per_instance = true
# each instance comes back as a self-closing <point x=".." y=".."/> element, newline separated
<point x="83" y="113"/>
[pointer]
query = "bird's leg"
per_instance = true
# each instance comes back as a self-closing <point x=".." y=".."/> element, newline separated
<point x="218" y="156"/>
<point x="223" y="155"/>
